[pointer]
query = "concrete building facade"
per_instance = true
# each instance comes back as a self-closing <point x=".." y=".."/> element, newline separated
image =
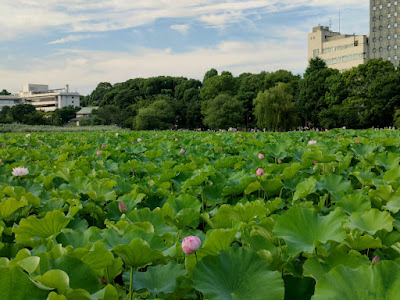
<point x="43" y="98"/>
<point x="339" y="51"/>
<point x="384" y="30"/>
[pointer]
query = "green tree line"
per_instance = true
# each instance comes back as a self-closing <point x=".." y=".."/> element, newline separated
<point x="363" y="97"/>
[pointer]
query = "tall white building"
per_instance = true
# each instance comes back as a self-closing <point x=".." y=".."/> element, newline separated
<point x="43" y="98"/>
<point x="339" y="51"/>
<point x="384" y="30"/>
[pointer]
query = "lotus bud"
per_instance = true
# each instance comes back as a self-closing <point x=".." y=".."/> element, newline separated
<point x="375" y="260"/>
<point x="260" y="172"/>
<point x="357" y="141"/>
<point x="314" y="162"/>
<point x="191" y="244"/>
<point x="182" y="151"/>
<point x="28" y="135"/>
<point x="103" y="146"/>
<point x="98" y="152"/>
<point x="101" y="135"/>
<point x="26" y="145"/>
<point x="133" y="170"/>
<point x="1" y="161"/>
<point x="260" y="156"/>
<point x="139" y="140"/>
<point x="176" y="139"/>
<point x="156" y="134"/>
<point x="279" y="161"/>
<point x="326" y="130"/>
<point x="122" y="207"/>
<point x="312" y="142"/>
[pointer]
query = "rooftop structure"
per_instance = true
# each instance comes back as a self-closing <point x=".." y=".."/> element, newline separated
<point x="43" y="98"/>
<point x="339" y="51"/>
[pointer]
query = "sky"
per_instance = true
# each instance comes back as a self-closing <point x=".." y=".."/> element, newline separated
<point x="84" y="42"/>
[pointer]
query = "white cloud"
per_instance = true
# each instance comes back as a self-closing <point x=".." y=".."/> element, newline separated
<point x="34" y="16"/>
<point x="182" y="28"/>
<point x="69" y="38"/>
<point x="83" y="70"/>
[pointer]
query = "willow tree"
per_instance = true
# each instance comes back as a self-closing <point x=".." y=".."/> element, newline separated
<point x="275" y="109"/>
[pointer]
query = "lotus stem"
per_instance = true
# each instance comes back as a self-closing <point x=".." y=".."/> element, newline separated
<point x="130" y="285"/>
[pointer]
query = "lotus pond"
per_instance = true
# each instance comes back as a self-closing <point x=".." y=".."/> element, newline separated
<point x="103" y="215"/>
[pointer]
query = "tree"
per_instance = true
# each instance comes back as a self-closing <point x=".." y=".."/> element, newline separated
<point x="64" y="114"/>
<point x="109" y="115"/>
<point x="158" y="115"/>
<point x="4" y="93"/>
<point x="312" y="90"/>
<point x="223" y="111"/>
<point x="211" y="73"/>
<point x="275" y="109"/>
<point x="224" y="84"/>
<point x="96" y="97"/>
<point x="18" y="112"/>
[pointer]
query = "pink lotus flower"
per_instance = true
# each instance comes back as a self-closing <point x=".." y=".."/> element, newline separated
<point x="139" y="140"/>
<point x="28" y="135"/>
<point x="182" y="151"/>
<point x="26" y="145"/>
<point x="81" y="139"/>
<point x="260" y="156"/>
<point x="133" y="142"/>
<point x="20" y="171"/>
<point x="326" y="130"/>
<point x="116" y="134"/>
<point x="98" y="152"/>
<point x="176" y="139"/>
<point x="1" y="161"/>
<point x="314" y="162"/>
<point x="156" y="134"/>
<point x="103" y="146"/>
<point x="279" y="161"/>
<point x="344" y="127"/>
<point x="101" y="134"/>
<point x="375" y="260"/>
<point x="357" y="141"/>
<point x="191" y="244"/>
<point x="39" y="141"/>
<point x="122" y="207"/>
<point x="306" y="138"/>
<point x="312" y="142"/>
<point x="260" y="172"/>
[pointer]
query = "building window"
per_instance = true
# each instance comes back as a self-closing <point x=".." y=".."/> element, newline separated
<point x="389" y="4"/>
<point x="315" y="53"/>
<point x="395" y="35"/>
<point x="389" y="16"/>
<point x="374" y="40"/>
<point x="388" y="47"/>
<point x="380" y="49"/>
<point x="388" y="26"/>
<point x="380" y="17"/>
<point x="374" y="50"/>
<point x="395" y="25"/>
<point x="374" y="29"/>
<point x="72" y="102"/>
<point x="395" y="57"/>
<point x="388" y="37"/>
<point x="374" y="19"/>
<point x="380" y="6"/>
<point x="395" y="14"/>
<point x="374" y="8"/>
<point x="380" y="28"/>
<point x="395" y="47"/>
<point x="389" y="58"/>
<point x="380" y="39"/>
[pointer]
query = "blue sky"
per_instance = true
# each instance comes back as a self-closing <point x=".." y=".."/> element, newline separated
<point x="84" y="42"/>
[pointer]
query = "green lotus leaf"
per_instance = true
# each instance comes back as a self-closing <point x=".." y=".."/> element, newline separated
<point x="355" y="203"/>
<point x="96" y="256"/>
<point x="383" y="192"/>
<point x="291" y="172"/>
<point x="359" y="242"/>
<point x="316" y="268"/>
<point x="371" y="221"/>
<point x="228" y="216"/>
<point x="271" y="185"/>
<point x="55" y="279"/>
<point x="253" y="187"/>
<point x="77" y="294"/>
<point x="138" y="253"/>
<point x="237" y="273"/>
<point x="81" y="276"/>
<point x="29" y="264"/>
<point x="302" y="227"/>
<point x="298" y="288"/>
<point x="388" y="160"/>
<point x="304" y="188"/>
<point x="392" y="175"/>
<point x="160" y="279"/>
<point x="32" y="231"/>
<point x="334" y="184"/>
<point x="184" y="201"/>
<point x="11" y="205"/>
<point x="155" y="217"/>
<point x="16" y="285"/>
<point x="79" y="238"/>
<point x="55" y="296"/>
<point x="237" y="183"/>
<point x="381" y="281"/>
<point x="108" y="293"/>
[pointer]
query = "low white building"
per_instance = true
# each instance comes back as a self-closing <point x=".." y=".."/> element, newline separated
<point x="43" y="98"/>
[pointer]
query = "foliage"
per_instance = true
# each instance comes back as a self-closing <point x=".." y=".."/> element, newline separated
<point x="275" y="109"/>
<point x="223" y="111"/>
<point x="158" y="115"/>
<point x="308" y="228"/>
